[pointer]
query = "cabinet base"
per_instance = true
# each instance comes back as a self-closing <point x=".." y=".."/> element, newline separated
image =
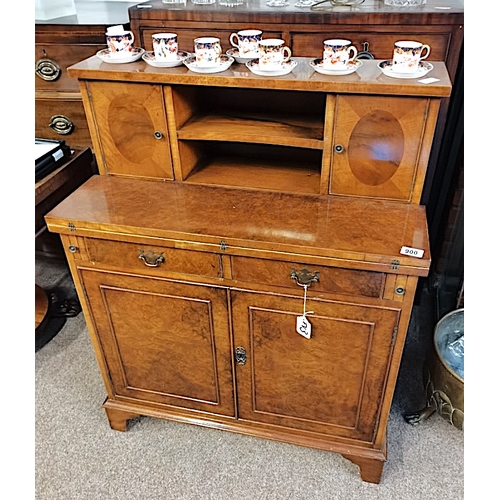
<point x="370" y="461"/>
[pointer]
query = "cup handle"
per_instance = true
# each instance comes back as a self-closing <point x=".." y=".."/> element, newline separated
<point x="219" y="50"/>
<point x="132" y="39"/>
<point x="286" y="50"/>
<point x="354" y="51"/>
<point x="232" y="37"/>
<point x="428" y="51"/>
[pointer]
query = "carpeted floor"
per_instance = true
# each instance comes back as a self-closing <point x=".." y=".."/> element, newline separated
<point x="78" y="456"/>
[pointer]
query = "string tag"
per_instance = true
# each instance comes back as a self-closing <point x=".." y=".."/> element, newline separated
<point x="303" y="326"/>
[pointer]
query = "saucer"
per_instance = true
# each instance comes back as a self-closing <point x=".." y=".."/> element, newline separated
<point x="236" y="54"/>
<point x="225" y="62"/>
<point x="149" y="57"/>
<point x="105" y="55"/>
<point x="423" y="68"/>
<point x="353" y="66"/>
<point x="253" y="66"/>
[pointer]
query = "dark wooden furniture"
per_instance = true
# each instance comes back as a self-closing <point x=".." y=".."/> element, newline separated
<point x="372" y="27"/>
<point x="59" y="112"/>
<point x="59" y="43"/>
<point x="51" y="190"/>
<point x="192" y="251"/>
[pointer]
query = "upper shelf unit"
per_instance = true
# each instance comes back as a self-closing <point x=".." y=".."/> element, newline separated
<point x="360" y="135"/>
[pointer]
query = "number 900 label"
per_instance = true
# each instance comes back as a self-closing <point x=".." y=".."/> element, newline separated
<point x="412" y="252"/>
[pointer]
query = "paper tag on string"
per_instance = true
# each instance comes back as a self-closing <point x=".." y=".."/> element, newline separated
<point x="303" y="327"/>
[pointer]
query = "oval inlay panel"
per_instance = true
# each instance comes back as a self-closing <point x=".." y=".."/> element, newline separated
<point x="126" y="114"/>
<point x="376" y="148"/>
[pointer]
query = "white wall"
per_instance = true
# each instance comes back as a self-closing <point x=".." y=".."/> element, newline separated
<point x="49" y="9"/>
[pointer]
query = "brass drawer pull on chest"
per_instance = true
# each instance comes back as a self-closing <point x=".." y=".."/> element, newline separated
<point x="304" y="276"/>
<point x="365" y="53"/>
<point x="47" y="70"/>
<point x="61" y="124"/>
<point x="152" y="260"/>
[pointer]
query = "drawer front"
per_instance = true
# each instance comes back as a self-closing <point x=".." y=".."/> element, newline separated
<point x="153" y="257"/>
<point x="52" y="62"/>
<point x="186" y="37"/>
<point x="331" y="279"/>
<point x="62" y="119"/>
<point x="380" y="45"/>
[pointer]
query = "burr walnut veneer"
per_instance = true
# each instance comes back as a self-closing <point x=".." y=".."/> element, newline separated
<point x="222" y="199"/>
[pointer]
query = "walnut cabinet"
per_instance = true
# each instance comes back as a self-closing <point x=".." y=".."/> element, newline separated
<point x="214" y="227"/>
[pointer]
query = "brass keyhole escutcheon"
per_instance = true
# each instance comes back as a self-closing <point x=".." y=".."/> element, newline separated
<point x="241" y="355"/>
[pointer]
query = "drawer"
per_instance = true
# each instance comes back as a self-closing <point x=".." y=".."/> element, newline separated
<point x="380" y="45"/>
<point x="331" y="279"/>
<point x="52" y="61"/>
<point x="148" y="257"/>
<point x="62" y="119"/>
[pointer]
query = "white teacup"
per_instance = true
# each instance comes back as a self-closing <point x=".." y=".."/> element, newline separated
<point x="273" y="53"/>
<point x="165" y="46"/>
<point x="208" y="51"/>
<point x="247" y="42"/>
<point x="407" y="56"/>
<point x="338" y="53"/>
<point x="120" y="42"/>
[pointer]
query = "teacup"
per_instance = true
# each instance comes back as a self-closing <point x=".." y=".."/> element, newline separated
<point x="165" y="46"/>
<point x="407" y="56"/>
<point x="273" y="54"/>
<point x="247" y="42"/>
<point x="208" y="51"/>
<point x="338" y="53"/>
<point x="120" y="42"/>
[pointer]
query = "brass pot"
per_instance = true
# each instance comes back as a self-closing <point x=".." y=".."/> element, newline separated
<point x="444" y="385"/>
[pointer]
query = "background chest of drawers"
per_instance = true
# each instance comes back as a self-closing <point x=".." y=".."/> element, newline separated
<point x="59" y="112"/>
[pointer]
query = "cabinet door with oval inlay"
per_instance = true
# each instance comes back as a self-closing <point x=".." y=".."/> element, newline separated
<point x="332" y="383"/>
<point x="162" y="342"/>
<point x="129" y="129"/>
<point x="380" y="147"/>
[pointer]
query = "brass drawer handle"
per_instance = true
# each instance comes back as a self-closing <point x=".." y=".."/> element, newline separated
<point x="61" y="124"/>
<point x="151" y="259"/>
<point x="365" y="53"/>
<point x="304" y="276"/>
<point x="47" y="70"/>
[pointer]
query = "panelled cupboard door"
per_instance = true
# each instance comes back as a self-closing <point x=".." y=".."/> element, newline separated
<point x="131" y="128"/>
<point x="332" y="383"/>
<point x="377" y="144"/>
<point x="162" y="341"/>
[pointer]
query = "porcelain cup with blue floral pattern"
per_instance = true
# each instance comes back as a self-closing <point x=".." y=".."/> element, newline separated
<point x="337" y="54"/>
<point x="247" y="43"/>
<point x="120" y="41"/>
<point x="407" y="56"/>
<point x="165" y="46"/>
<point x="207" y="50"/>
<point x="273" y="54"/>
